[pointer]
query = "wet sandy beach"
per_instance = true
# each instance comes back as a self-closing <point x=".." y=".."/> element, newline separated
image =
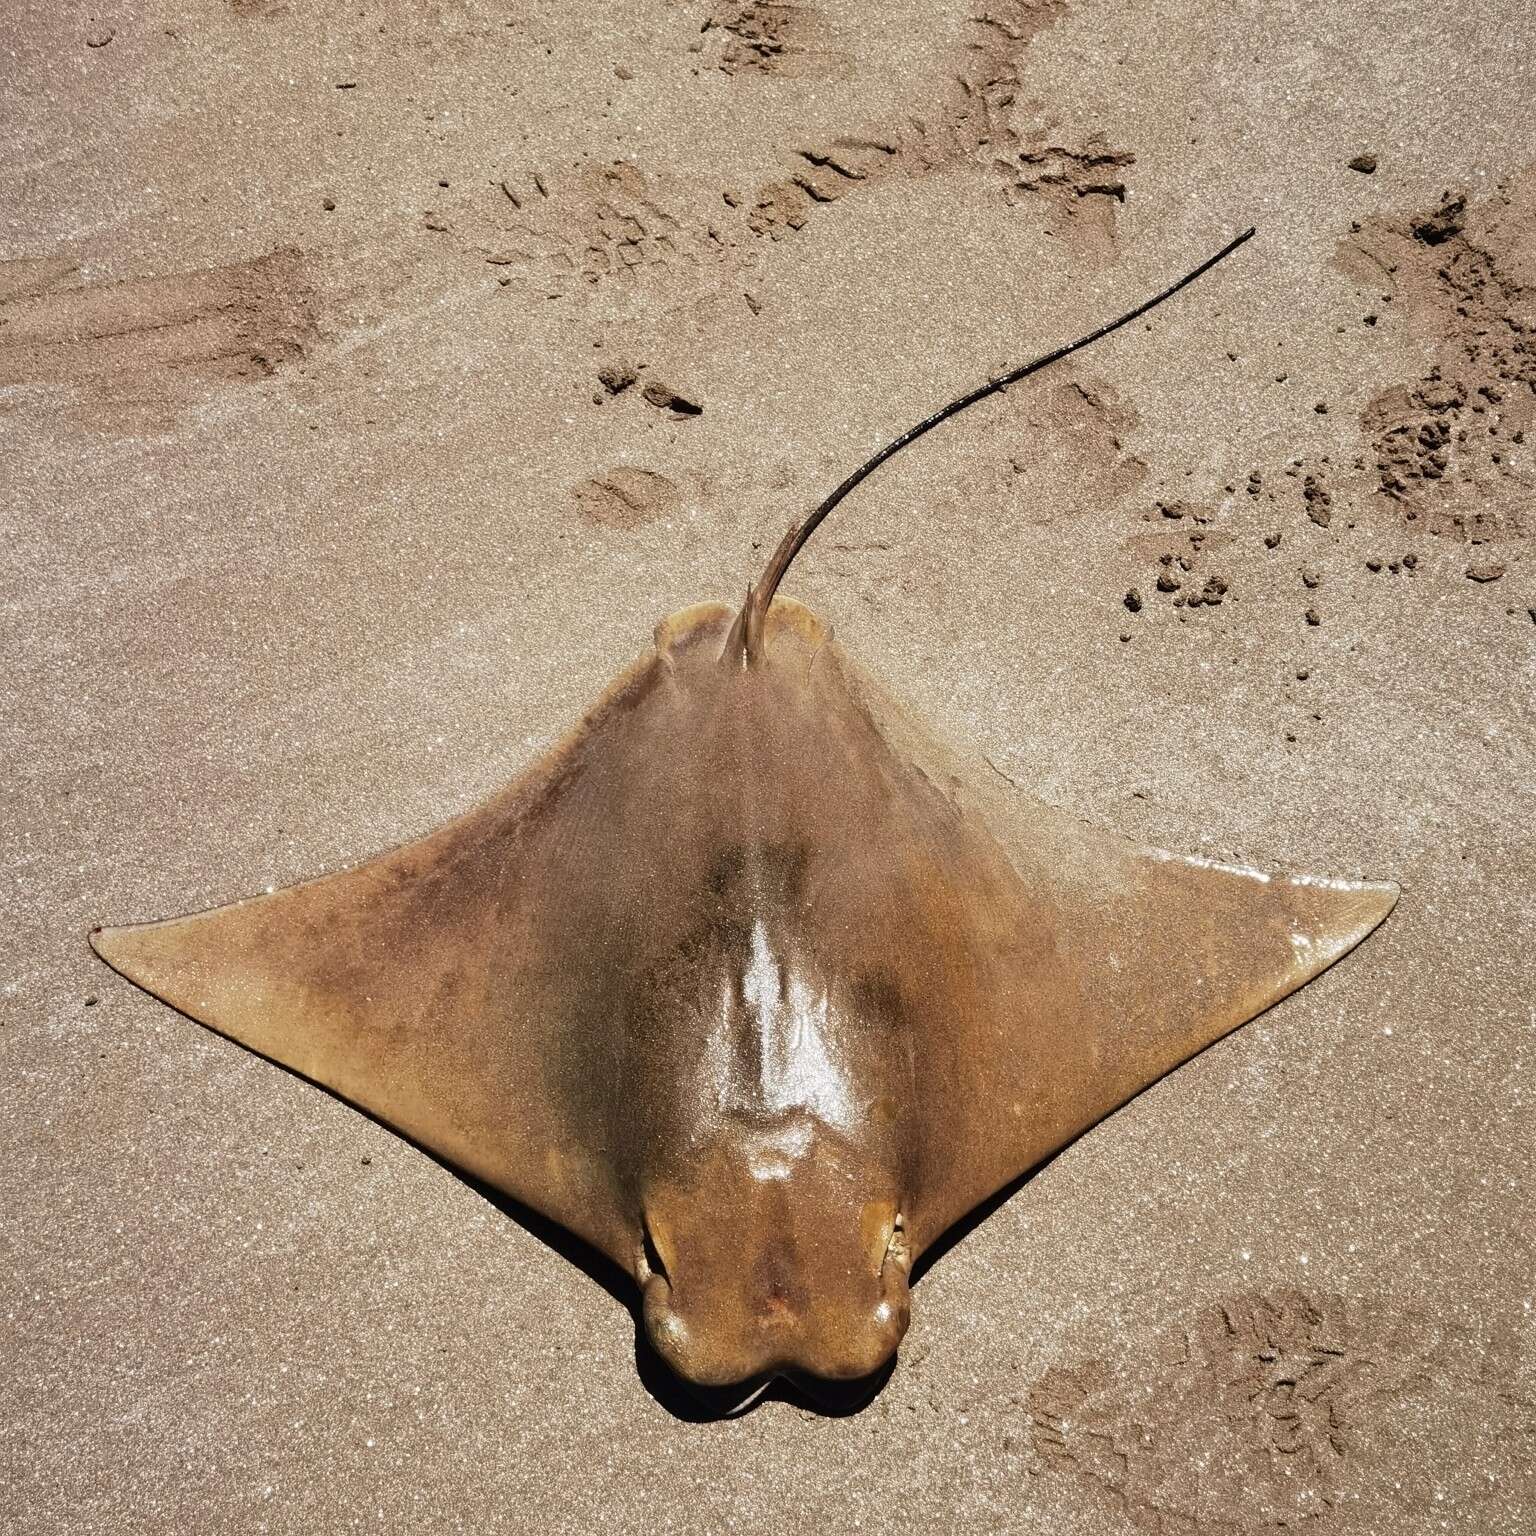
<point x="373" y="379"/>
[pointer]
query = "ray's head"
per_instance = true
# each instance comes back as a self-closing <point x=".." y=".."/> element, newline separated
<point x="776" y="1251"/>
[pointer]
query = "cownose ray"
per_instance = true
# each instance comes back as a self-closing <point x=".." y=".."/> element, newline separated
<point x="751" y="983"/>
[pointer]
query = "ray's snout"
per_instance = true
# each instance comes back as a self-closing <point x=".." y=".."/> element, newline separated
<point x="716" y="1342"/>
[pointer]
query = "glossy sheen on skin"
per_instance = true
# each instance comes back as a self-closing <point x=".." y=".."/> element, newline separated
<point x="753" y="986"/>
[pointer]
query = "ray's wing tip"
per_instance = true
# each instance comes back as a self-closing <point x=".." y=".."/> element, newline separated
<point x="1376" y="899"/>
<point x="1371" y="900"/>
<point x="1347" y="914"/>
<point x="109" y="946"/>
<point x="116" y="946"/>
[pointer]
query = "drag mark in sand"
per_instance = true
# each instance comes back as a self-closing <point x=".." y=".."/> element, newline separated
<point x="241" y="321"/>
<point x="1270" y="1411"/>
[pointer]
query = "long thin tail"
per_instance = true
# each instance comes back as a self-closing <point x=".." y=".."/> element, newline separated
<point x="746" y="638"/>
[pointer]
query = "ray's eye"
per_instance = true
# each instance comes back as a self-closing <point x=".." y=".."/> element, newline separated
<point x="650" y="1254"/>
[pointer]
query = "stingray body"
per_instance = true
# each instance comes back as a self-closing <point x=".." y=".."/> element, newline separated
<point x="753" y="985"/>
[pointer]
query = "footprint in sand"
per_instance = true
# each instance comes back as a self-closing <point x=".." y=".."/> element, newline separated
<point x="1270" y="1411"/>
<point x="626" y="498"/>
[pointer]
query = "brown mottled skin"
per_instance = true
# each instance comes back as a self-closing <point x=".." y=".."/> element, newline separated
<point x="752" y="986"/>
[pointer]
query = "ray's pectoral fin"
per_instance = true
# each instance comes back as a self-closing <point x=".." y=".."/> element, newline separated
<point x="417" y="986"/>
<point x="1151" y="960"/>
<point x="1192" y="950"/>
<point x="449" y="986"/>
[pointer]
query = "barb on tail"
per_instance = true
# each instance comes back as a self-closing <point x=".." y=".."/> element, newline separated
<point x="746" y="638"/>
